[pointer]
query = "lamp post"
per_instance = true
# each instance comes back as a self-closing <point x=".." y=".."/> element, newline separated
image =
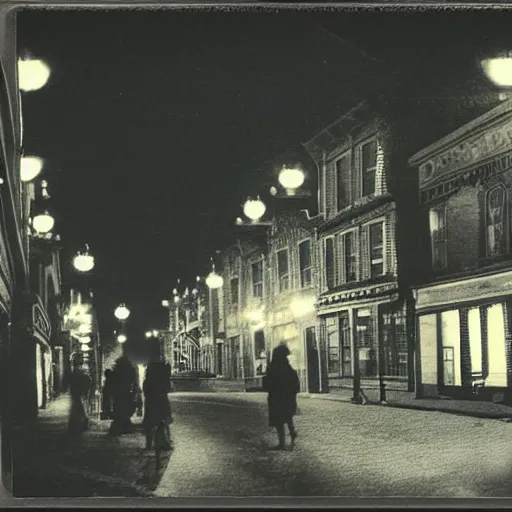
<point x="214" y="281"/>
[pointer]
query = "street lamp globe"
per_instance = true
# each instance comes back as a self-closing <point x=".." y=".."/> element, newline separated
<point x="254" y="209"/>
<point x="122" y="312"/>
<point x="155" y="333"/>
<point x="30" y="167"/>
<point x="43" y="223"/>
<point x="85" y="339"/>
<point x="148" y="334"/>
<point x="84" y="328"/>
<point x="83" y="262"/>
<point x="85" y="348"/>
<point x="499" y="70"/>
<point x="214" y="280"/>
<point x="121" y="338"/>
<point x="32" y="74"/>
<point x="165" y="303"/>
<point x="291" y="179"/>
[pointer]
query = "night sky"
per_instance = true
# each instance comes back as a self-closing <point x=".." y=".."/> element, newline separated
<point x="157" y="125"/>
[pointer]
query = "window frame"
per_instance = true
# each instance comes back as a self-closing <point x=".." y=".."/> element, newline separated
<point x="362" y="170"/>
<point x="258" y="283"/>
<point x="433" y="243"/>
<point x="346" y="154"/>
<point x="504" y="217"/>
<point x="305" y="269"/>
<point x="343" y="234"/>
<point x="332" y="238"/>
<point x="284" y="278"/>
<point x="234" y="304"/>
<point x="383" y="222"/>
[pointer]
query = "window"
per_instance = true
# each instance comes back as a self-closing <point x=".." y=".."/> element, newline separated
<point x="343" y="181"/>
<point x="377" y="249"/>
<point x="394" y="343"/>
<point x="283" y="270"/>
<point x="329" y="262"/>
<point x="364" y="341"/>
<point x="234" y="291"/>
<point x="260" y="353"/>
<point x="495" y="221"/>
<point x="350" y="253"/>
<point x="333" y="344"/>
<point x="305" y="263"/>
<point x="257" y="279"/>
<point x="369" y="166"/>
<point x="346" y="356"/>
<point x="437" y="218"/>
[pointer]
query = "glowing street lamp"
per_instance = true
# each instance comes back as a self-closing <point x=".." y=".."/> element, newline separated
<point x="214" y="280"/>
<point x="85" y="348"/>
<point x="122" y="312"/>
<point x="85" y="339"/>
<point x="30" y="167"/>
<point x="43" y="223"/>
<point x="32" y="74"/>
<point x="254" y="209"/>
<point x="84" y="262"/>
<point x="121" y="338"/>
<point x="498" y="69"/>
<point x="291" y="179"/>
<point x="165" y="303"/>
<point x="84" y="328"/>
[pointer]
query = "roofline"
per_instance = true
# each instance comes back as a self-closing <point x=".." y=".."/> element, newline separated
<point x="477" y="124"/>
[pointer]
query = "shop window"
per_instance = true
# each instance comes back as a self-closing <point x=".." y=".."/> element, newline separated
<point x="394" y="344"/>
<point x="350" y="255"/>
<point x="329" y="262"/>
<point x="475" y="341"/>
<point x="364" y="343"/>
<point x="283" y="270"/>
<point x="497" y="353"/>
<point x="449" y="366"/>
<point x="437" y="218"/>
<point x="260" y="355"/>
<point x="369" y="167"/>
<point x="345" y="345"/>
<point x="377" y="249"/>
<point x="305" y="263"/>
<point x="343" y="192"/>
<point x="333" y="344"/>
<point x="496" y="221"/>
<point x="257" y="279"/>
<point x="450" y="332"/>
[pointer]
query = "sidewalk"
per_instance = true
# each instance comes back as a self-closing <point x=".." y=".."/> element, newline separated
<point x="48" y="463"/>
<point x="478" y="409"/>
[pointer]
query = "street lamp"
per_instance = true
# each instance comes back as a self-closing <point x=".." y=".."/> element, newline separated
<point x="122" y="312"/>
<point x="30" y="167"/>
<point x="32" y="74"/>
<point x="498" y="69"/>
<point x="121" y="338"/>
<point x="254" y="209"/>
<point x="214" y="281"/>
<point x="291" y="179"/>
<point x="43" y="223"/>
<point x="84" y="262"/>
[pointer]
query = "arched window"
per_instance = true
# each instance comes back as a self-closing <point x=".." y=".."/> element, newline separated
<point x="495" y="225"/>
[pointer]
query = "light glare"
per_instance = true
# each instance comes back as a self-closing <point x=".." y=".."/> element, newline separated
<point x="291" y="179"/>
<point x="30" y="167"/>
<point x="43" y="223"/>
<point x="32" y="74"/>
<point x="254" y="209"/>
<point x="498" y="70"/>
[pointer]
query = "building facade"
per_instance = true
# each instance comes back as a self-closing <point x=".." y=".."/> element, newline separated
<point x="464" y="309"/>
<point x="365" y="311"/>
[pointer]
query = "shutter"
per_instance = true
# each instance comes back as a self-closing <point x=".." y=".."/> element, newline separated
<point x="365" y="252"/>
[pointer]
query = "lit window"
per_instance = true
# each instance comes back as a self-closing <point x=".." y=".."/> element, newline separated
<point x="305" y="263"/>
<point x="257" y="279"/>
<point x="333" y="343"/>
<point x="496" y="232"/>
<point x="369" y="166"/>
<point x="283" y="270"/>
<point x="437" y="217"/>
<point x="377" y="249"/>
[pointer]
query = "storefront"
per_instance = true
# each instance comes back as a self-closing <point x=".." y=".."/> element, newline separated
<point x="464" y="335"/>
<point x="368" y="328"/>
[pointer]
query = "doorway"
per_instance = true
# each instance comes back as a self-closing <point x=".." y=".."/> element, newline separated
<point x="313" y="360"/>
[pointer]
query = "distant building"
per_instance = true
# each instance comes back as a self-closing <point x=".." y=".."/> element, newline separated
<point x="464" y="307"/>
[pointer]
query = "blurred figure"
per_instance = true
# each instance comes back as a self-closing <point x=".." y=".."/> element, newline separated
<point x="156" y="386"/>
<point x="106" y="397"/>
<point x="124" y="392"/>
<point x="79" y="387"/>
<point x="282" y="384"/>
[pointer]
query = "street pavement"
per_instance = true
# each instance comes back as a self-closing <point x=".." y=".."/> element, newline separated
<point x="222" y="441"/>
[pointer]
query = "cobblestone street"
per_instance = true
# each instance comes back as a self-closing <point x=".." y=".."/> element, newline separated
<point x="222" y="449"/>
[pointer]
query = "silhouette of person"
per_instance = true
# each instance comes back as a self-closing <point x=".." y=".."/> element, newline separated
<point x="124" y="389"/>
<point x="282" y="384"/>
<point x="79" y="387"/>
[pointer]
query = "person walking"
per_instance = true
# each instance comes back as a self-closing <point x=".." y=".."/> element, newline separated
<point x="124" y="389"/>
<point x="106" y="396"/>
<point x="157" y="407"/>
<point x="282" y="384"/>
<point x="79" y="387"/>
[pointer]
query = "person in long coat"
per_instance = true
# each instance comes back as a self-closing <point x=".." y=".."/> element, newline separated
<point x="106" y="399"/>
<point x="156" y="386"/>
<point x="282" y="384"/>
<point x="124" y="392"/>
<point x="79" y="387"/>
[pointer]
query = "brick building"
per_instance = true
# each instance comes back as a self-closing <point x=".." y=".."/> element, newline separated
<point x="464" y="309"/>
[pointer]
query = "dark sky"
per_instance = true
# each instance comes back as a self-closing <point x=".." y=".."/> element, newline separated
<point x="157" y="125"/>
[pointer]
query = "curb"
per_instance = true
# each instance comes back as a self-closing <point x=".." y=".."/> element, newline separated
<point x="476" y="414"/>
